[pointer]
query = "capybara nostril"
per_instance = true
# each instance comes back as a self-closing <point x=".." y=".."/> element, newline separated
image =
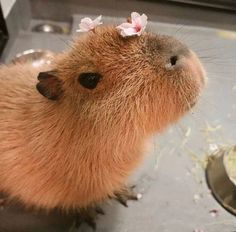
<point x="173" y="60"/>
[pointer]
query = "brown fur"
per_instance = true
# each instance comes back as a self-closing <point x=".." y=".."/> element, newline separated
<point x="79" y="149"/>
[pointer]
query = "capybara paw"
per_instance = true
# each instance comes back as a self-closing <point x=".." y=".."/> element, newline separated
<point x="126" y="194"/>
<point x="88" y="216"/>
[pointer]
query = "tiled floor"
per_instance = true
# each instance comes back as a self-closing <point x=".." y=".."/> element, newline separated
<point x="175" y="195"/>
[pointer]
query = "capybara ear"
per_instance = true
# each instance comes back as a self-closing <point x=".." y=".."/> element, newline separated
<point x="50" y="86"/>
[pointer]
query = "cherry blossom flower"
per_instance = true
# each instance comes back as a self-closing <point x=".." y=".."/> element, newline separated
<point x="87" y="24"/>
<point x="135" y="27"/>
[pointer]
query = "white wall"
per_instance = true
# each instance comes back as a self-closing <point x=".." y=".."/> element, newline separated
<point x="6" y="6"/>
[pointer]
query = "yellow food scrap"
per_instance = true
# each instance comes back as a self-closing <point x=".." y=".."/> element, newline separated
<point x="227" y="34"/>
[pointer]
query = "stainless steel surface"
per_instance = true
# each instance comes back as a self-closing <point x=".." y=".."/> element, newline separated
<point x="223" y="189"/>
<point x="161" y="11"/>
<point x="218" y="4"/>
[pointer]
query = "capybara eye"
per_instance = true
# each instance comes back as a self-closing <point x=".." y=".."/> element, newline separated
<point x="89" y="80"/>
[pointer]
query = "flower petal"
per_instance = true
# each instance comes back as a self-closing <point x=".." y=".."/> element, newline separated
<point x="134" y="15"/>
<point x="86" y="21"/>
<point x="87" y="24"/>
<point x="128" y="32"/>
<point x="144" y="20"/>
<point x="97" y="21"/>
<point x="81" y="30"/>
<point x="125" y="25"/>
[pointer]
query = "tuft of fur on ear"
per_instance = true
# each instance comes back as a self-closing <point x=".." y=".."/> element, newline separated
<point x="50" y="86"/>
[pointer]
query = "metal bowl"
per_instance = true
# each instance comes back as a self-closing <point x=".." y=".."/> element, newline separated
<point x="48" y="28"/>
<point x="35" y="57"/>
<point x="221" y="184"/>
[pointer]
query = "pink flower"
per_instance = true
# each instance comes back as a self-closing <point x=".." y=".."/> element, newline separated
<point x="87" y="24"/>
<point x="135" y="27"/>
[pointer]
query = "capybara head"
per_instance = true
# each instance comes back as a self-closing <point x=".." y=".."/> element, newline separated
<point x="148" y="80"/>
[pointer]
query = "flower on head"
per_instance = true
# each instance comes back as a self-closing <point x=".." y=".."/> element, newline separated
<point x="135" y="26"/>
<point x="87" y="24"/>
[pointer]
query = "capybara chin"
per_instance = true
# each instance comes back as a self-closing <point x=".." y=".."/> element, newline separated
<point x="72" y="133"/>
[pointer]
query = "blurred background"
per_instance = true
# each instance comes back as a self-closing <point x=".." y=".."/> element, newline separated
<point x="26" y="15"/>
<point x="176" y="194"/>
